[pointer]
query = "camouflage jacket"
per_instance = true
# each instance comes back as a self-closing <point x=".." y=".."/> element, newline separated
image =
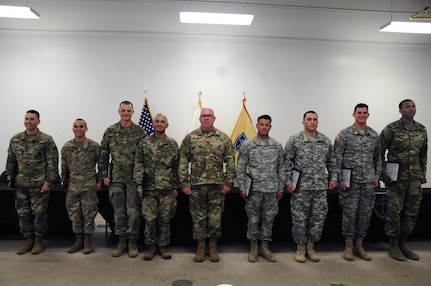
<point x="156" y="164"/>
<point x="120" y="144"/>
<point x="407" y="147"/>
<point x="79" y="161"/>
<point x="208" y="153"/>
<point x="32" y="160"/>
<point x="265" y="162"/>
<point x="313" y="158"/>
<point x="360" y="152"/>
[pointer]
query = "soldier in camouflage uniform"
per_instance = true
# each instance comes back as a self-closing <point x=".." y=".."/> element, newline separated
<point x="119" y="144"/>
<point x="310" y="153"/>
<point x="32" y="167"/>
<point x="357" y="148"/>
<point x="207" y="150"/>
<point x="406" y="141"/>
<point x="79" y="158"/>
<point x="156" y="177"/>
<point x="263" y="158"/>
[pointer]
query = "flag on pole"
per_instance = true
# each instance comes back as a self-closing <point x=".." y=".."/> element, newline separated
<point x="194" y="123"/>
<point x="243" y="130"/>
<point x="146" y="120"/>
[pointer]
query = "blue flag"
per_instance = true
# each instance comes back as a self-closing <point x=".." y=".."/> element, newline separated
<point x="146" y="120"/>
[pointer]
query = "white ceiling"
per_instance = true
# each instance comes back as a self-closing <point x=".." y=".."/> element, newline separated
<point x="329" y="20"/>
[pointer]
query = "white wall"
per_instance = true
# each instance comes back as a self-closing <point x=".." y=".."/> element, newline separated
<point x="70" y="75"/>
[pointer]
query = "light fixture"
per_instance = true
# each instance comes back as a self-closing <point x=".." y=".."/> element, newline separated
<point x="216" y="18"/>
<point x="18" y="12"/>
<point x="406" y="27"/>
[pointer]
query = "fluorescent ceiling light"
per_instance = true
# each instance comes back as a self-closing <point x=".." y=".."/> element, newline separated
<point x="407" y="27"/>
<point x="216" y="18"/>
<point x="18" y="12"/>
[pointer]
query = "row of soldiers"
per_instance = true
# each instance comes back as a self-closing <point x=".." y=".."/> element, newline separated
<point x="145" y="173"/>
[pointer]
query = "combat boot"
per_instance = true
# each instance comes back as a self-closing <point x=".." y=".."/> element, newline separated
<point x="300" y="253"/>
<point x="78" y="245"/>
<point x="252" y="256"/>
<point x="403" y="247"/>
<point x="265" y="252"/>
<point x="133" y="248"/>
<point x="360" y="251"/>
<point x="121" y="247"/>
<point x="213" y="254"/>
<point x="201" y="251"/>
<point x="164" y="252"/>
<point x="88" y="247"/>
<point x="38" y="245"/>
<point x="310" y="252"/>
<point x="348" y="249"/>
<point x="151" y="251"/>
<point x="29" y="242"/>
<point x="394" y="249"/>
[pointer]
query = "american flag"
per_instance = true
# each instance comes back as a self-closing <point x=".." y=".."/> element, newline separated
<point x="146" y="120"/>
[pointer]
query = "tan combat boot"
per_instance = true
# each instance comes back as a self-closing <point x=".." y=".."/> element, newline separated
<point x="300" y="253"/>
<point x="151" y="251"/>
<point x="310" y="252"/>
<point x="348" y="250"/>
<point x="201" y="251"/>
<point x="133" y="248"/>
<point x="88" y="247"/>
<point x="164" y="252"/>
<point x="38" y="245"/>
<point x="78" y="245"/>
<point x="213" y="254"/>
<point x="360" y="251"/>
<point x="265" y="252"/>
<point x="29" y="242"/>
<point x="121" y="247"/>
<point x="252" y="256"/>
<point x="403" y="247"/>
<point x="394" y="249"/>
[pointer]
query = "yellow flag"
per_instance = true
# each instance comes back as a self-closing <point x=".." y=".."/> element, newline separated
<point x="243" y="130"/>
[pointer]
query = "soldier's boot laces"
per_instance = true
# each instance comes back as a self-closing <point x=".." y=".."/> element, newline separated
<point x="78" y="245"/>
<point x="201" y="251"/>
<point x="254" y="251"/>
<point x="88" y="247"/>
<point x="311" y="253"/>
<point x="212" y="248"/>
<point x="164" y="252"/>
<point x="133" y="248"/>
<point x="121" y="247"/>
<point x="403" y="247"/>
<point x="300" y="253"/>
<point x="265" y="252"/>
<point x="29" y="242"/>
<point x="394" y="249"/>
<point x="150" y="252"/>
<point x="360" y="251"/>
<point x="348" y="249"/>
<point x="38" y="245"/>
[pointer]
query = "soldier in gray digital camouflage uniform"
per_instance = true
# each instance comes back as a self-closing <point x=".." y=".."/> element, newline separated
<point x="32" y="167"/>
<point x="263" y="158"/>
<point x="406" y="143"/>
<point x="79" y="158"/>
<point x="310" y="153"/>
<point x="156" y="177"/>
<point x="119" y="145"/>
<point x="207" y="150"/>
<point x="357" y="149"/>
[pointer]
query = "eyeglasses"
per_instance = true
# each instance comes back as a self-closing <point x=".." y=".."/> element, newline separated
<point x="207" y="115"/>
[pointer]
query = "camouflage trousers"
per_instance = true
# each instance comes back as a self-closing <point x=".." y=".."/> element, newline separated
<point x="32" y="209"/>
<point x="261" y="208"/>
<point x="357" y="204"/>
<point x="404" y="200"/>
<point x="81" y="206"/>
<point x="206" y="209"/>
<point x="309" y="209"/>
<point x="158" y="208"/>
<point x="127" y="209"/>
